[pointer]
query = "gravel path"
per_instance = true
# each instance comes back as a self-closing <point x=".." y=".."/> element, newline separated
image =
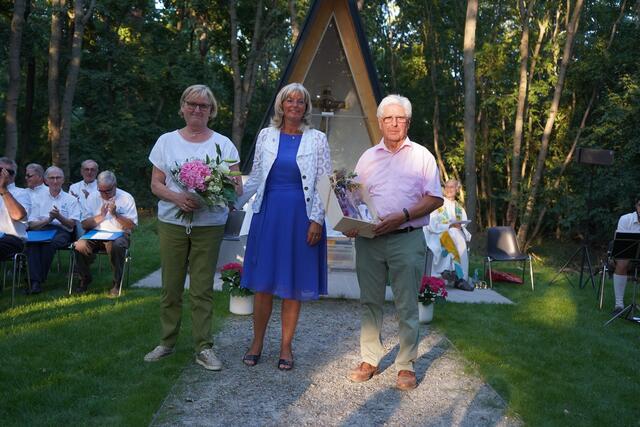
<point x="317" y="392"/>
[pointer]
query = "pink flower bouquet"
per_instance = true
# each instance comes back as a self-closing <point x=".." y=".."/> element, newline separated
<point x="208" y="179"/>
<point x="432" y="289"/>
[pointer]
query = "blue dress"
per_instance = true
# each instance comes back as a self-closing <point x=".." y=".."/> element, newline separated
<point x="278" y="259"/>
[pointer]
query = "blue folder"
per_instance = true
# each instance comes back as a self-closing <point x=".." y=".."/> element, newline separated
<point x="34" y="236"/>
<point x="102" y="235"/>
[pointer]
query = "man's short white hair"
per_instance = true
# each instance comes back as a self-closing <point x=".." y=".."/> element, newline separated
<point x="394" y="99"/>
<point x="53" y="169"/>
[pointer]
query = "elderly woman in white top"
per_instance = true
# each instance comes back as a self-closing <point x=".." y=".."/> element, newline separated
<point x="447" y="236"/>
<point x="195" y="243"/>
<point x="286" y="246"/>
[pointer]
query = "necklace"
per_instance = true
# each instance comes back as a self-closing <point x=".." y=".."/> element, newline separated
<point x="192" y="134"/>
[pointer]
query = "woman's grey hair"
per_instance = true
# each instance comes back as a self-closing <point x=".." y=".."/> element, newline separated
<point x="51" y="169"/>
<point x="394" y="99"/>
<point x="107" y="178"/>
<point x="278" y="112"/>
<point x="199" y="91"/>
<point x="38" y="169"/>
<point x="8" y="161"/>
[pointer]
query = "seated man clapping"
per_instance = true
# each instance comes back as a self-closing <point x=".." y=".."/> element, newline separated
<point x="111" y="210"/>
<point x="55" y="211"/>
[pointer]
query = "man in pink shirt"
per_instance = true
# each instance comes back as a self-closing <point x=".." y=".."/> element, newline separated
<point x="403" y="182"/>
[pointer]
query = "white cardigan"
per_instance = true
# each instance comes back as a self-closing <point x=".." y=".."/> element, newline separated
<point x="312" y="159"/>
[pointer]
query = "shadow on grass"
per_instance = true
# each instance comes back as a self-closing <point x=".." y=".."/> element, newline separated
<point x="72" y="360"/>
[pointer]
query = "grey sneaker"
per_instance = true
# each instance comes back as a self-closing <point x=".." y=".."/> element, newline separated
<point x="158" y="353"/>
<point x="208" y="360"/>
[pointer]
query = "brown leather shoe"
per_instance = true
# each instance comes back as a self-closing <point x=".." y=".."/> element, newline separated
<point x="406" y="380"/>
<point x="363" y="372"/>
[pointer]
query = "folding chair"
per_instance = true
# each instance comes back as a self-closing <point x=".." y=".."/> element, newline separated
<point x="126" y="268"/>
<point x="19" y="260"/>
<point x="502" y="246"/>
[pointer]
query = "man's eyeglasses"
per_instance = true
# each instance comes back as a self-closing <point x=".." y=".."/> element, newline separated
<point x="30" y="175"/>
<point x="9" y="171"/>
<point x="55" y="177"/>
<point x="194" y="105"/>
<point x="400" y="120"/>
<point x="108" y="190"/>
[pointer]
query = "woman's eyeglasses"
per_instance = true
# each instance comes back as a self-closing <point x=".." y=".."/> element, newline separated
<point x="194" y="105"/>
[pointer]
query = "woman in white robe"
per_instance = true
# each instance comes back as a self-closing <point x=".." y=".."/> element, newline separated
<point x="447" y="235"/>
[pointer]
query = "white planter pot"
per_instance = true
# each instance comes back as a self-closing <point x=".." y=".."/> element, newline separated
<point x="241" y="305"/>
<point x="425" y="312"/>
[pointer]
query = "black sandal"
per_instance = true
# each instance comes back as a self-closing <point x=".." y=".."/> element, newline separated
<point x="285" y="365"/>
<point x="250" y="359"/>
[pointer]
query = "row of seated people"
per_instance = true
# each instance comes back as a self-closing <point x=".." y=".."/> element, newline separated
<point x="95" y="203"/>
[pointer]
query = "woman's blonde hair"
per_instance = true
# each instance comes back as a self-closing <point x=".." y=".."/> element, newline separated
<point x="200" y="91"/>
<point x="278" y="111"/>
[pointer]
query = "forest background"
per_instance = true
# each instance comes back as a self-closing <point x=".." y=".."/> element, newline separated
<point x="102" y="80"/>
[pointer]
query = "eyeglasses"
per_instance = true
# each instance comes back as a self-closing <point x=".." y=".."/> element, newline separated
<point x="399" y="119"/>
<point x="30" y="175"/>
<point x="55" y="177"/>
<point x="11" y="172"/>
<point x="292" y="101"/>
<point x="194" y="105"/>
<point x="109" y="190"/>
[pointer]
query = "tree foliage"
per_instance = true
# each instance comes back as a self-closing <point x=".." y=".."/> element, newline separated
<point x="138" y="56"/>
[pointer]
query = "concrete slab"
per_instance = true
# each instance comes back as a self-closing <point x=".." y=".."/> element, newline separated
<point x="344" y="284"/>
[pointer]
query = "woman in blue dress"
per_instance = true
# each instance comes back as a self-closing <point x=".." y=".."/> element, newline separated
<point x="286" y="252"/>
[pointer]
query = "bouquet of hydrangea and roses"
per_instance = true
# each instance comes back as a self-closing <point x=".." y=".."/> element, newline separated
<point x="210" y="180"/>
<point x="432" y="289"/>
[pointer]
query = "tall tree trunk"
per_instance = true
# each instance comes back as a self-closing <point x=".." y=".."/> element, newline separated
<point x="13" y="89"/>
<point x="426" y="32"/>
<point x="60" y="158"/>
<point x="295" y="26"/>
<point x="470" y="109"/>
<point x="53" y="75"/>
<point x="27" y="117"/>
<point x="548" y="129"/>
<point x="514" y="190"/>
<point x="244" y="83"/>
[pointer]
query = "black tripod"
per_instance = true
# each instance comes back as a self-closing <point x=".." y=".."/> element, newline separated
<point x="583" y="250"/>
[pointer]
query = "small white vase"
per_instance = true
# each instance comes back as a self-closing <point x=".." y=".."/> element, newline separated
<point x="425" y="312"/>
<point x="241" y="305"/>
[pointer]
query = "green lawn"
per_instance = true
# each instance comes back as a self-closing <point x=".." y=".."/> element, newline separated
<point x="78" y="360"/>
<point x="549" y="355"/>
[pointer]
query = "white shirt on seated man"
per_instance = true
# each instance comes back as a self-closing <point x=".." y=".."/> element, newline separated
<point x="447" y="235"/>
<point x="110" y="209"/>
<point x="83" y="188"/>
<point x="14" y="206"/>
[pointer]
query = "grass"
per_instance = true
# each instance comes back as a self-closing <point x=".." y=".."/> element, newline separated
<point x="78" y="360"/>
<point x="549" y="355"/>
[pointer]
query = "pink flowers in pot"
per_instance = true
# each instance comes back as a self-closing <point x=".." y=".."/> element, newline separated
<point x="432" y="289"/>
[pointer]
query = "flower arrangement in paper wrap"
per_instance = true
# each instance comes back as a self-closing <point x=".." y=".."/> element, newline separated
<point x="231" y="274"/>
<point x="209" y="180"/>
<point x="432" y="289"/>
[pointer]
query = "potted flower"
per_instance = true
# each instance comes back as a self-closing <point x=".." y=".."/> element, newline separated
<point x="431" y="289"/>
<point x="240" y="299"/>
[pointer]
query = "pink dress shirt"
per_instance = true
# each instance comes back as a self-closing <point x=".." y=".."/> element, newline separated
<point x="399" y="180"/>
